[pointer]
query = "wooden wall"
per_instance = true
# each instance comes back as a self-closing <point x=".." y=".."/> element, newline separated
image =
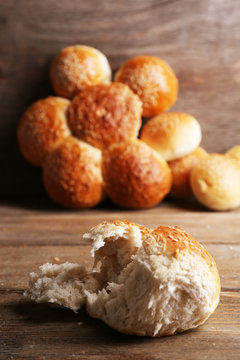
<point x="200" y="39"/>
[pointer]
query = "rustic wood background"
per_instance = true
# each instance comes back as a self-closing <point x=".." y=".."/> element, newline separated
<point x="200" y="39"/>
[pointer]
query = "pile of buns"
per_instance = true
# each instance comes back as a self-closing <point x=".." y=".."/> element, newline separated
<point x="90" y="141"/>
<point x="144" y="282"/>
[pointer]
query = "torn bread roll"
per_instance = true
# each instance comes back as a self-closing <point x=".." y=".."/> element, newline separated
<point x="135" y="176"/>
<point x="76" y="67"/>
<point x="42" y="126"/>
<point x="105" y="114"/>
<point x="172" y="135"/>
<point x="72" y="174"/>
<point x="145" y="282"/>
<point x="181" y="170"/>
<point x="153" y="80"/>
<point x="215" y="181"/>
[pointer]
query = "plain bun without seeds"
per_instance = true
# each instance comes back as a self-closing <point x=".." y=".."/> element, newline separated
<point x="215" y="181"/>
<point x="145" y="282"/>
<point x="173" y="135"/>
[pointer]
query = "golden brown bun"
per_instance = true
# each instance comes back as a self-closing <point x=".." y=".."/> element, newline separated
<point x="215" y="181"/>
<point x="152" y="80"/>
<point x="105" y="114"/>
<point x="41" y="128"/>
<point x="172" y="135"/>
<point x="72" y="174"/>
<point x="234" y="153"/>
<point x="134" y="175"/>
<point x="76" y="67"/>
<point x="181" y="169"/>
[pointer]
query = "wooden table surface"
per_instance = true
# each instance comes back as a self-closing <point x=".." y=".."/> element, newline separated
<point x="32" y="233"/>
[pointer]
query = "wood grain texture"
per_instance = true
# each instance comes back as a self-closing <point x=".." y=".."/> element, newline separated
<point x="200" y="39"/>
<point x="34" y="232"/>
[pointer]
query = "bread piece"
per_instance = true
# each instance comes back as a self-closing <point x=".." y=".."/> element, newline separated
<point x="134" y="175"/>
<point x="76" y="67"/>
<point x="215" y="181"/>
<point x="106" y="114"/>
<point x="61" y="284"/>
<point x="148" y="282"/>
<point x="234" y="153"/>
<point x="152" y="80"/>
<point x="171" y="285"/>
<point x="181" y="169"/>
<point x="72" y="174"/>
<point x="42" y="126"/>
<point x="172" y="135"/>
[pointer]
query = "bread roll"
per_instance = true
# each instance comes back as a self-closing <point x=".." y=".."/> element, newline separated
<point x="76" y="67"/>
<point x="172" y="135"/>
<point x="72" y="174"/>
<point x="215" y="181"/>
<point x="181" y="169"/>
<point x="134" y="175"/>
<point x="152" y="80"/>
<point x="42" y="126"/>
<point x="148" y="283"/>
<point x="106" y="114"/>
<point x="234" y="153"/>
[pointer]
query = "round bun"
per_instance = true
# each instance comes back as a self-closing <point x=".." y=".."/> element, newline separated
<point x="234" y="153"/>
<point x="144" y="282"/>
<point x="161" y="282"/>
<point x="105" y="114"/>
<point x="72" y="174"/>
<point x="172" y="135"/>
<point x="76" y="67"/>
<point x="134" y="175"/>
<point x="181" y="169"/>
<point x="215" y="181"/>
<point x="152" y="80"/>
<point x="41" y="128"/>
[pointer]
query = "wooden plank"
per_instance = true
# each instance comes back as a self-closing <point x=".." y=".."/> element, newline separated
<point x="32" y="233"/>
<point x="31" y="331"/>
<point x="18" y="262"/>
<point x="200" y="40"/>
<point x="42" y="224"/>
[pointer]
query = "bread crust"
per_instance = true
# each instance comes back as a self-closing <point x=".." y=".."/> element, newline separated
<point x="42" y="126"/>
<point x="105" y="114"/>
<point x="153" y="80"/>
<point x="215" y="181"/>
<point x="173" y="135"/>
<point x="134" y="175"/>
<point x="76" y="67"/>
<point x="181" y="170"/>
<point x="234" y="153"/>
<point x="72" y="174"/>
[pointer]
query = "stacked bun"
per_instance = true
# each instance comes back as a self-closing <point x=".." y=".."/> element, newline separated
<point x="86" y="138"/>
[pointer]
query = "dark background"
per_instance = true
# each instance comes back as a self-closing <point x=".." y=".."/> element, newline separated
<point x="200" y="40"/>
